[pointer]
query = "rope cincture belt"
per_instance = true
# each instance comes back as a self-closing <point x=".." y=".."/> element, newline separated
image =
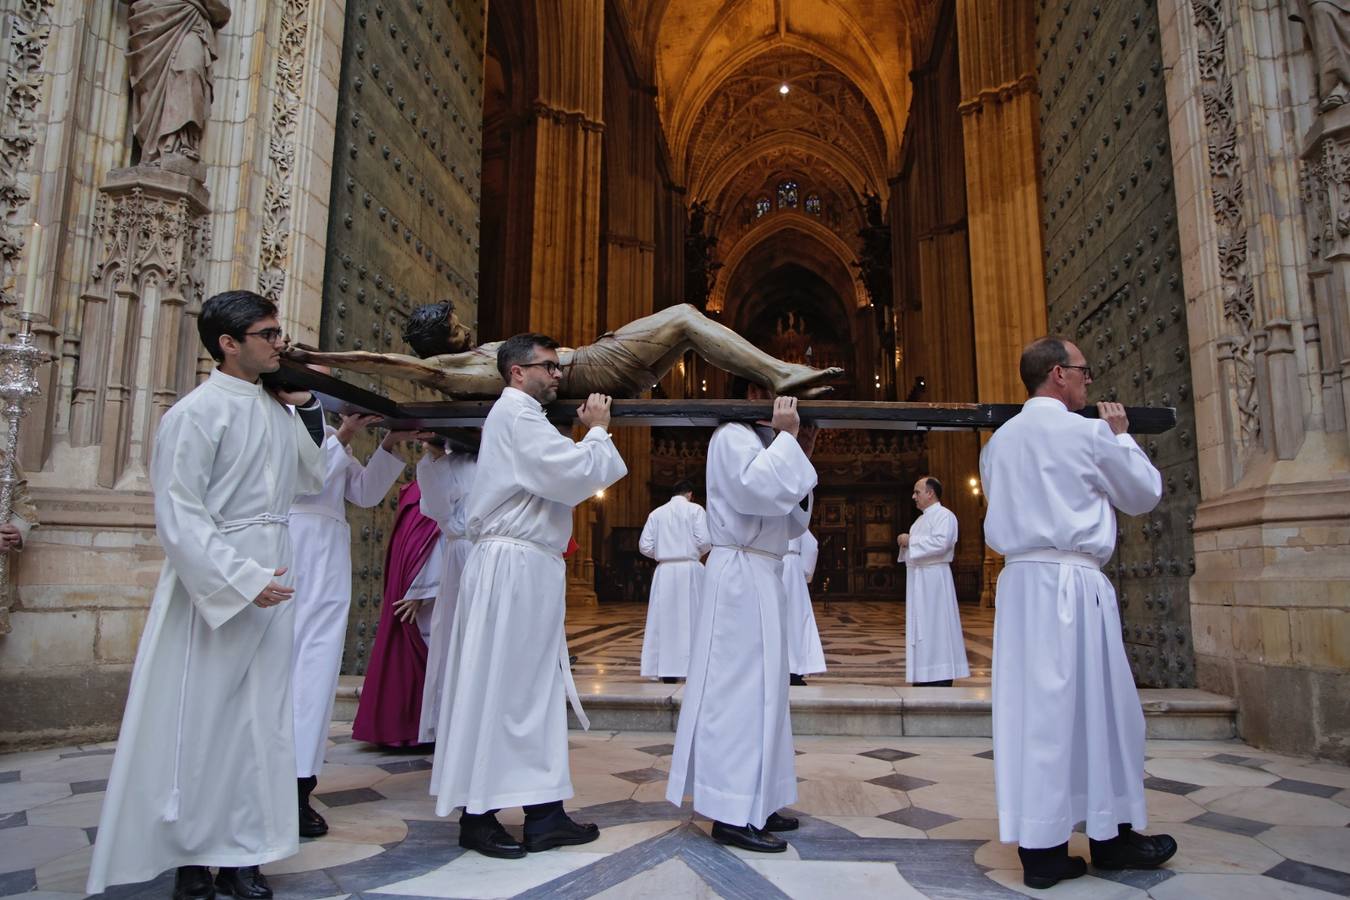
<point x="316" y="509"/>
<point x="232" y="525"/>
<point x="753" y="551"/>
<point x="564" y="658"/>
<point x="678" y="559"/>
<point x="1067" y="560"/>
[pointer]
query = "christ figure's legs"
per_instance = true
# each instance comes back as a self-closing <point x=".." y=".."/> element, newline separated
<point x="660" y="339"/>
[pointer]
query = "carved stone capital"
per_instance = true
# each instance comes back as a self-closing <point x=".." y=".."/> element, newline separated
<point x="152" y="223"/>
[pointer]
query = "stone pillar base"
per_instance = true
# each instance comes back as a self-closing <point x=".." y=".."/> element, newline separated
<point x="581" y="594"/>
<point x="1270" y="613"/>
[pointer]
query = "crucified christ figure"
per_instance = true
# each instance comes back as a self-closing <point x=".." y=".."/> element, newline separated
<point x="622" y="363"/>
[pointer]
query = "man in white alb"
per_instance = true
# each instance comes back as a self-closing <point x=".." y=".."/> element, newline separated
<point x="204" y="773"/>
<point x="502" y="735"/>
<point x="445" y="475"/>
<point x="733" y="746"/>
<point x="322" y="543"/>
<point x="676" y="536"/>
<point x="935" y="649"/>
<point x="1068" y="727"/>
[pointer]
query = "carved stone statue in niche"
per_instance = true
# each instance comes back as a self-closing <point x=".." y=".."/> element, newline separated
<point x="1328" y="25"/>
<point x="171" y="46"/>
<point x="699" y="266"/>
<point x="622" y="363"/>
<point x="874" y="264"/>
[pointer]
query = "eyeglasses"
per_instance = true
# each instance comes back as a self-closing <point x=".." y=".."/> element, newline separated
<point x="1086" y="370"/>
<point x="548" y="366"/>
<point x="271" y="335"/>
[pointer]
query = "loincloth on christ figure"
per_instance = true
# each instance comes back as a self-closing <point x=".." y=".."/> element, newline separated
<point x="606" y="367"/>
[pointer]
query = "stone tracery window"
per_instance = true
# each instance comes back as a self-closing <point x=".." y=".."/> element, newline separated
<point x="761" y="206"/>
<point x="813" y="204"/>
<point x="787" y="195"/>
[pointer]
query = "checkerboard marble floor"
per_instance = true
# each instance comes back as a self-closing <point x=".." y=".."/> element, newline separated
<point x="881" y="817"/>
<point x="864" y="641"/>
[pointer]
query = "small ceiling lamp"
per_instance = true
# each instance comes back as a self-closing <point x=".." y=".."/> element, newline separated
<point x="783" y="89"/>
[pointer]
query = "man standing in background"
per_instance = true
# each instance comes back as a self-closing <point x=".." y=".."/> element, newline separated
<point x="676" y="536"/>
<point x="935" y="648"/>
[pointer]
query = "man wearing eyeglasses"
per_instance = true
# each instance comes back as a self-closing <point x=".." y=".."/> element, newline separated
<point x="1068" y="727"/>
<point x="204" y="773"/>
<point x="502" y="734"/>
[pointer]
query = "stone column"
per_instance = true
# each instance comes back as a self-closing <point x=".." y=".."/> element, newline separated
<point x="564" y="210"/>
<point x="1270" y="600"/>
<point x="999" y="110"/>
<point x="999" y="117"/>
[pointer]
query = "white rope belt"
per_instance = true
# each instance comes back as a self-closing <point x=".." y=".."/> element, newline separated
<point x="1050" y="555"/>
<point x="232" y="525"/>
<point x="678" y="559"/>
<point x="519" y="542"/>
<point x="1067" y="560"/>
<point x="753" y="551"/>
<point x="564" y="657"/>
<point x="316" y="509"/>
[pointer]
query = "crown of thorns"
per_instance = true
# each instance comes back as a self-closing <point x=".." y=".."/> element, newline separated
<point x="429" y="323"/>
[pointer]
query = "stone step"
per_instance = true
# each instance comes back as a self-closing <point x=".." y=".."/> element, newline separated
<point x="867" y="710"/>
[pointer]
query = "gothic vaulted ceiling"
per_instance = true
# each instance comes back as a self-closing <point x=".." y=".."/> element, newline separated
<point x="781" y="108"/>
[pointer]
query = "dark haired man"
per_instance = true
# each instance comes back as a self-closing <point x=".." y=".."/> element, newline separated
<point x="733" y="744"/>
<point x="204" y="773"/>
<point x="1068" y="727"/>
<point x="502" y="734"/>
<point x="676" y="536"/>
<point x="935" y="648"/>
<point x="625" y="362"/>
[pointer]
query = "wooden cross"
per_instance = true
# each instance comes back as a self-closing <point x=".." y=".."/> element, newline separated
<point x="444" y="415"/>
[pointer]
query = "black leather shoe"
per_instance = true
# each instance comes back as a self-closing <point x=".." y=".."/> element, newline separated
<point x="246" y="882"/>
<point x="560" y="832"/>
<point x="312" y="824"/>
<point x="778" y="822"/>
<point x="796" y="680"/>
<point x="747" y="837"/>
<point x="489" y="838"/>
<point x="1132" y="850"/>
<point x="193" y="883"/>
<point x="1046" y="868"/>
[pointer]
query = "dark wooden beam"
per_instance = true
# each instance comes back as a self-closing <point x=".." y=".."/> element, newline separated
<point x="445" y="415"/>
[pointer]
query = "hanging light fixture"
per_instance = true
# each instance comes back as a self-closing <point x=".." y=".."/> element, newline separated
<point x="783" y="89"/>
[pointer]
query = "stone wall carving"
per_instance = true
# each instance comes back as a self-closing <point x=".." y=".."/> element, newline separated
<point x="29" y="28"/>
<point x="288" y="85"/>
<point x="154" y="236"/>
<point x="1212" y="18"/>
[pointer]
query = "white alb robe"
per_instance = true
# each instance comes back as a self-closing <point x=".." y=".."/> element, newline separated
<point x="935" y="648"/>
<point x="502" y="734"/>
<point x="1068" y="727"/>
<point x="426" y="587"/>
<point x="733" y="746"/>
<point x="676" y="536"/>
<point x="805" y="654"/>
<point x="445" y="483"/>
<point x="321" y="541"/>
<point x="204" y="772"/>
